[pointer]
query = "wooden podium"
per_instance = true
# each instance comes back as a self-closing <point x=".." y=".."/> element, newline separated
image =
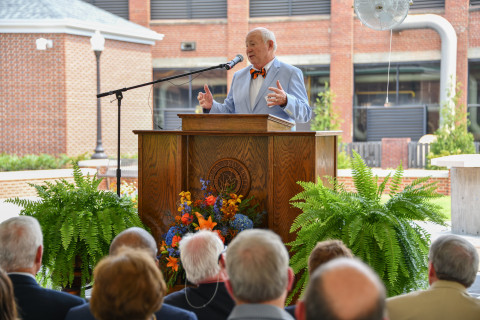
<point x="259" y="154"/>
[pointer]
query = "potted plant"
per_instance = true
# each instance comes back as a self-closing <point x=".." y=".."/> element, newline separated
<point x="78" y="223"/>
<point x="384" y="234"/>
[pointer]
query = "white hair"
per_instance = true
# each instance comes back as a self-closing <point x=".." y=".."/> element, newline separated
<point x="20" y="238"/>
<point x="267" y="35"/>
<point x="257" y="266"/>
<point x="199" y="254"/>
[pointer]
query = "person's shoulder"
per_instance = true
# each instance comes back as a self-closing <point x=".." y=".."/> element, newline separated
<point x="64" y="297"/>
<point x="167" y="311"/>
<point x="81" y="312"/>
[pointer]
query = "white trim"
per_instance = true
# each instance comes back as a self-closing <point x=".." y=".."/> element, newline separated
<point x="136" y="34"/>
<point x="473" y="53"/>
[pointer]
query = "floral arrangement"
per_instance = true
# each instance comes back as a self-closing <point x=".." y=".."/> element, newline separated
<point x="223" y="212"/>
<point x="127" y="190"/>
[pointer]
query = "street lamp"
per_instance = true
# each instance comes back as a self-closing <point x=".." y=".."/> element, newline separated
<point x="98" y="44"/>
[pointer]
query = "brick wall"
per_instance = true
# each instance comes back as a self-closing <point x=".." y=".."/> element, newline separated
<point x="32" y="98"/>
<point x="340" y="35"/>
<point x="443" y="183"/>
<point x="49" y="97"/>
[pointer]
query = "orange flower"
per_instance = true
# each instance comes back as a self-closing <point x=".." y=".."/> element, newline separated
<point x="162" y="247"/>
<point x="229" y="210"/>
<point x="210" y="200"/>
<point x="220" y="235"/>
<point x="204" y="224"/>
<point x="187" y="219"/>
<point x="172" y="263"/>
<point x="178" y="218"/>
<point x="175" y="240"/>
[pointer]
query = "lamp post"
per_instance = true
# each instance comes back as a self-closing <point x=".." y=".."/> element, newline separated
<point x="98" y="44"/>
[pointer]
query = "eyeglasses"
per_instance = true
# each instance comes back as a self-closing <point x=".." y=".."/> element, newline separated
<point x="222" y="253"/>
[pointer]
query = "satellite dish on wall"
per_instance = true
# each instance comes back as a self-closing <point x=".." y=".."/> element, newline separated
<point x="381" y="14"/>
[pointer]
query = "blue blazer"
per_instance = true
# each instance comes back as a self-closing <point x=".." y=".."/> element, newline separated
<point x="166" y="312"/>
<point x="291" y="79"/>
<point x="37" y="303"/>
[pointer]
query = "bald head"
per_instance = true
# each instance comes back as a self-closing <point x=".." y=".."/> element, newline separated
<point x="344" y="289"/>
<point x="134" y="238"/>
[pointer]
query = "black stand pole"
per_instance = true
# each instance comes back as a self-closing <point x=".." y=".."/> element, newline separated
<point x="119" y="96"/>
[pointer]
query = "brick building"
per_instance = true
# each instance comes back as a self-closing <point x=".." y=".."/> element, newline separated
<point x="329" y="43"/>
<point x="48" y="102"/>
<point x="324" y="38"/>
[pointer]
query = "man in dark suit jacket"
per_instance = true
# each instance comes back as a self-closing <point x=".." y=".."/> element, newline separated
<point x="21" y="249"/>
<point x="137" y="238"/>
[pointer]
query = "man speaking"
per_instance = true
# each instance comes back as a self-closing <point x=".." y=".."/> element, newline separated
<point x="268" y="86"/>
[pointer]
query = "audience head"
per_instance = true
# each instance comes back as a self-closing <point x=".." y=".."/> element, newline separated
<point x="21" y="243"/>
<point x="257" y="267"/>
<point x="325" y="251"/>
<point x="343" y="289"/>
<point x="134" y="238"/>
<point x="128" y="285"/>
<point x="454" y="259"/>
<point x="199" y="253"/>
<point x="8" y="309"/>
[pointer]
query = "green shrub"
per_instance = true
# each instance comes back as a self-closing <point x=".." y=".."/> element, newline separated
<point x="78" y="221"/>
<point x="453" y="136"/>
<point x="36" y="162"/>
<point x="382" y="233"/>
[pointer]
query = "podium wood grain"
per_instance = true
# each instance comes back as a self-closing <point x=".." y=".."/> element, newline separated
<point x="174" y="161"/>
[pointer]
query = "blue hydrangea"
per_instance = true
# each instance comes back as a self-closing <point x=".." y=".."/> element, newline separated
<point x="171" y="232"/>
<point x="241" y="222"/>
<point x="173" y="252"/>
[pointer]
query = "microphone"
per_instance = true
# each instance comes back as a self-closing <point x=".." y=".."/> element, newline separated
<point x="231" y="64"/>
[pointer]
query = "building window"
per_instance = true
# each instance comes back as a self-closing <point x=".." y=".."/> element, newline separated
<point x="274" y="8"/>
<point x="474" y="3"/>
<point x="188" y="9"/>
<point x="180" y="95"/>
<point x="117" y="7"/>
<point x="315" y="78"/>
<point x="411" y="84"/>
<point x="474" y="98"/>
<point x="427" y="4"/>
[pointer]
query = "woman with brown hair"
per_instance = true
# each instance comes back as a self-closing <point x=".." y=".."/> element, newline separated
<point x="128" y="286"/>
<point x="8" y="308"/>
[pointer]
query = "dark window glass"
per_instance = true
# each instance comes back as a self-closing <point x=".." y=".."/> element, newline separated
<point x="275" y="8"/>
<point x="474" y="98"/>
<point x="188" y="9"/>
<point x="180" y="95"/>
<point x="410" y="84"/>
<point x="117" y="7"/>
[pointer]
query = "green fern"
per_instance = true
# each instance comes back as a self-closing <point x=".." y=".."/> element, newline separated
<point x="383" y="234"/>
<point x="78" y="222"/>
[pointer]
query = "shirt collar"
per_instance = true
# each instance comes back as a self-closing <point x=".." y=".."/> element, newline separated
<point x="22" y="274"/>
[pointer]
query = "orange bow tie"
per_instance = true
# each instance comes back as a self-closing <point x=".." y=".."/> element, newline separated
<point x="255" y="73"/>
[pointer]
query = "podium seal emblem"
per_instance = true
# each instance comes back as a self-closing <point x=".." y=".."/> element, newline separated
<point x="230" y="173"/>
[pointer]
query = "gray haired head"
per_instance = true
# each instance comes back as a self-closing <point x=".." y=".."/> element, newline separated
<point x="20" y="238"/>
<point x="199" y="254"/>
<point x="267" y="35"/>
<point x="257" y="266"/>
<point x="454" y="259"/>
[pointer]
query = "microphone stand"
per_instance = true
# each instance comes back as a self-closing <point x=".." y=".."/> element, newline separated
<point x="118" y="94"/>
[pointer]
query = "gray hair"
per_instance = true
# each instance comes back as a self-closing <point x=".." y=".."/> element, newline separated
<point x="257" y="266"/>
<point x="199" y="254"/>
<point x="20" y="238"/>
<point x="318" y="298"/>
<point x="267" y="35"/>
<point x="454" y="259"/>
<point x="134" y="237"/>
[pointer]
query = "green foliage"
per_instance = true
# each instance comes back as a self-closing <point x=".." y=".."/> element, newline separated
<point x="36" y="162"/>
<point x="77" y="220"/>
<point x="453" y="136"/>
<point x="325" y="118"/>
<point x="381" y="233"/>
